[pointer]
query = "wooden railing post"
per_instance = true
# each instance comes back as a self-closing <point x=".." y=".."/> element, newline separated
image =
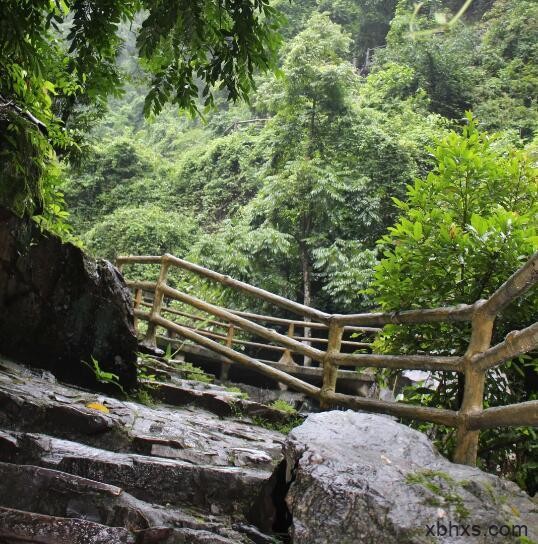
<point x="225" y="367"/>
<point x="473" y="394"/>
<point x="150" y="339"/>
<point x="136" y="305"/>
<point x="330" y="368"/>
<point x="287" y="358"/>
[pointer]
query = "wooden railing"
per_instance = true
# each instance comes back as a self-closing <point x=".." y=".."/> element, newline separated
<point x="477" y="360"/>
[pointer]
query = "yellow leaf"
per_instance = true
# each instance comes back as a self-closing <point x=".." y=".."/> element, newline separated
<point x="98" y="406"/>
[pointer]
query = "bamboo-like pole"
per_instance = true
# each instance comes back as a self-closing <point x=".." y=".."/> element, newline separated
<point x="245" y="324"/>
<point x="473" y="394"/>
<point x="513" y="415"/>
<point x="136" y="305"/>
<point x="225" y="367"/>
<point x="283" y="302"/>
<point x="515" y="343"/>
<point x="241" y="358"/>
<point x="330" y="367"/>
<point x="150" y="338"/>
<point x="422" y="362"/>
<point x="287" y="357"/>
<point x="516" y="285"/>
<point x="146" y="286"/>
<point x="398" y="409"/>
<point x="462" y="312"/>
<point x="138" y="259"/>
<point x="300" y="324"/>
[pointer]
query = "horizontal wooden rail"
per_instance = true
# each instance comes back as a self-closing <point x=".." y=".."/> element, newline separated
<point x="398" y="409"/>
<point x="221" y="324"/>
<point x="250" y="362"/>
<point x="245" y="324"/>
<point x="462" y="312"/>
<point x="143" y="259"/>
<point x="301" y="324"/>
<point x="516" y="285"/>
<point x="515" y="343"/>
<point x="513" y="415"/>
<point x="237" y="341"/>
<point x="420" y="362"/>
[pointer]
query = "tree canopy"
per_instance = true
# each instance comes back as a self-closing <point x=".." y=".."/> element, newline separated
<point x="58" y="66"/>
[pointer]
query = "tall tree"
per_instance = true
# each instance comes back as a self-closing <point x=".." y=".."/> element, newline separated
<point x="56" y="56"/>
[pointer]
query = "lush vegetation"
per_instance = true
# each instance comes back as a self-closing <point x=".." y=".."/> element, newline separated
<point x="355" y="176"/>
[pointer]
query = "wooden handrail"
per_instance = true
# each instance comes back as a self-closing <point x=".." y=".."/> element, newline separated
<point x="300" y="309"/>
<point x="224" y="325"/>
<point x="245" y="324"/>
<point x="516" y="285"/>
<point x="421" y="362"/>
<point x="515" y="343"/>
<point x="283" y="377"/>
<point x="474" y="364"/>
<point x="462" y="312"/>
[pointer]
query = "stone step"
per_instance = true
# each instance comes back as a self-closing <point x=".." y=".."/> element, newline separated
<point x="18" y="526"/>
<point x="215" y="399"/>
<point x="46" y="492"/>
<point x="189" y="433"/>
<point x="216" y="489"/>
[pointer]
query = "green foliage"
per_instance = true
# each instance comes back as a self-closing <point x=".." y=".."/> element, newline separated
<point x="283" y="406"/>
<point x="58" y="64"/>
<point x="218" y="44"/>
<point x="444" y="490"/>
<point x="463" y="231"/>
<point x="284" y="427"/>
<point x="194" y="373"/>
<point x="241" y="394"/>
<point x="147" y="230"/>
<point x="102" y="376"/>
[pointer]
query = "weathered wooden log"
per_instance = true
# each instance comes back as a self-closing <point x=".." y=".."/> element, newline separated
<point x="422" y="362"/>
<point x="245" y="324"/>
<point x="398" y="409"/>
<point x="473" y="392"/>
<point x="150" y="338"/>
<point x="513" y="415"/>
<point x="330" y="368"/>
<point x="300" y="309"/>
<point x="245" y="360"/>
<point x="515" y="343"/>
<point x="462" y="312"/>
<point x="515" y="286"/>
<point x="138" y="259"/>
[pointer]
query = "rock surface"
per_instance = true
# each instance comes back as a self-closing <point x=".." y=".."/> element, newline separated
<point x="361" y="478"/>
<point x="82" y="467"/>
<point x="58" y="307"/>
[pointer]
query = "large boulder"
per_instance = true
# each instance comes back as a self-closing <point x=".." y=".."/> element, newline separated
<point x="362" y="478"/>
<point x="58" y="307"/>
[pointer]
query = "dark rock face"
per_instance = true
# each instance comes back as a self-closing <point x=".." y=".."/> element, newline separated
<point x="361" y="478"/>
<point x="58" y="307"/>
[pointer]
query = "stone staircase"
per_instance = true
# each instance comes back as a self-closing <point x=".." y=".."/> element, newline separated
<point x="82" y="467"/>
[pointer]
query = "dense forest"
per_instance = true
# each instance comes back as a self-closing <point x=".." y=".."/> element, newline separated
<point x="386" y="159"/>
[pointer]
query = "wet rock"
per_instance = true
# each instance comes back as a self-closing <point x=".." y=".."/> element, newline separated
<point x="215" y="399"/>
<point x="161" y="473"/>
<point x="58" y="307"/>
<point x="40" y="529"/>
<point x="365" y="478"/>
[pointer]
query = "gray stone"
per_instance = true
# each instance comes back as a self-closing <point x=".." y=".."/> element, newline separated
<point x="363" y="478"/>
<point x="58" y="307"/>
<point x="159" y="474"/>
